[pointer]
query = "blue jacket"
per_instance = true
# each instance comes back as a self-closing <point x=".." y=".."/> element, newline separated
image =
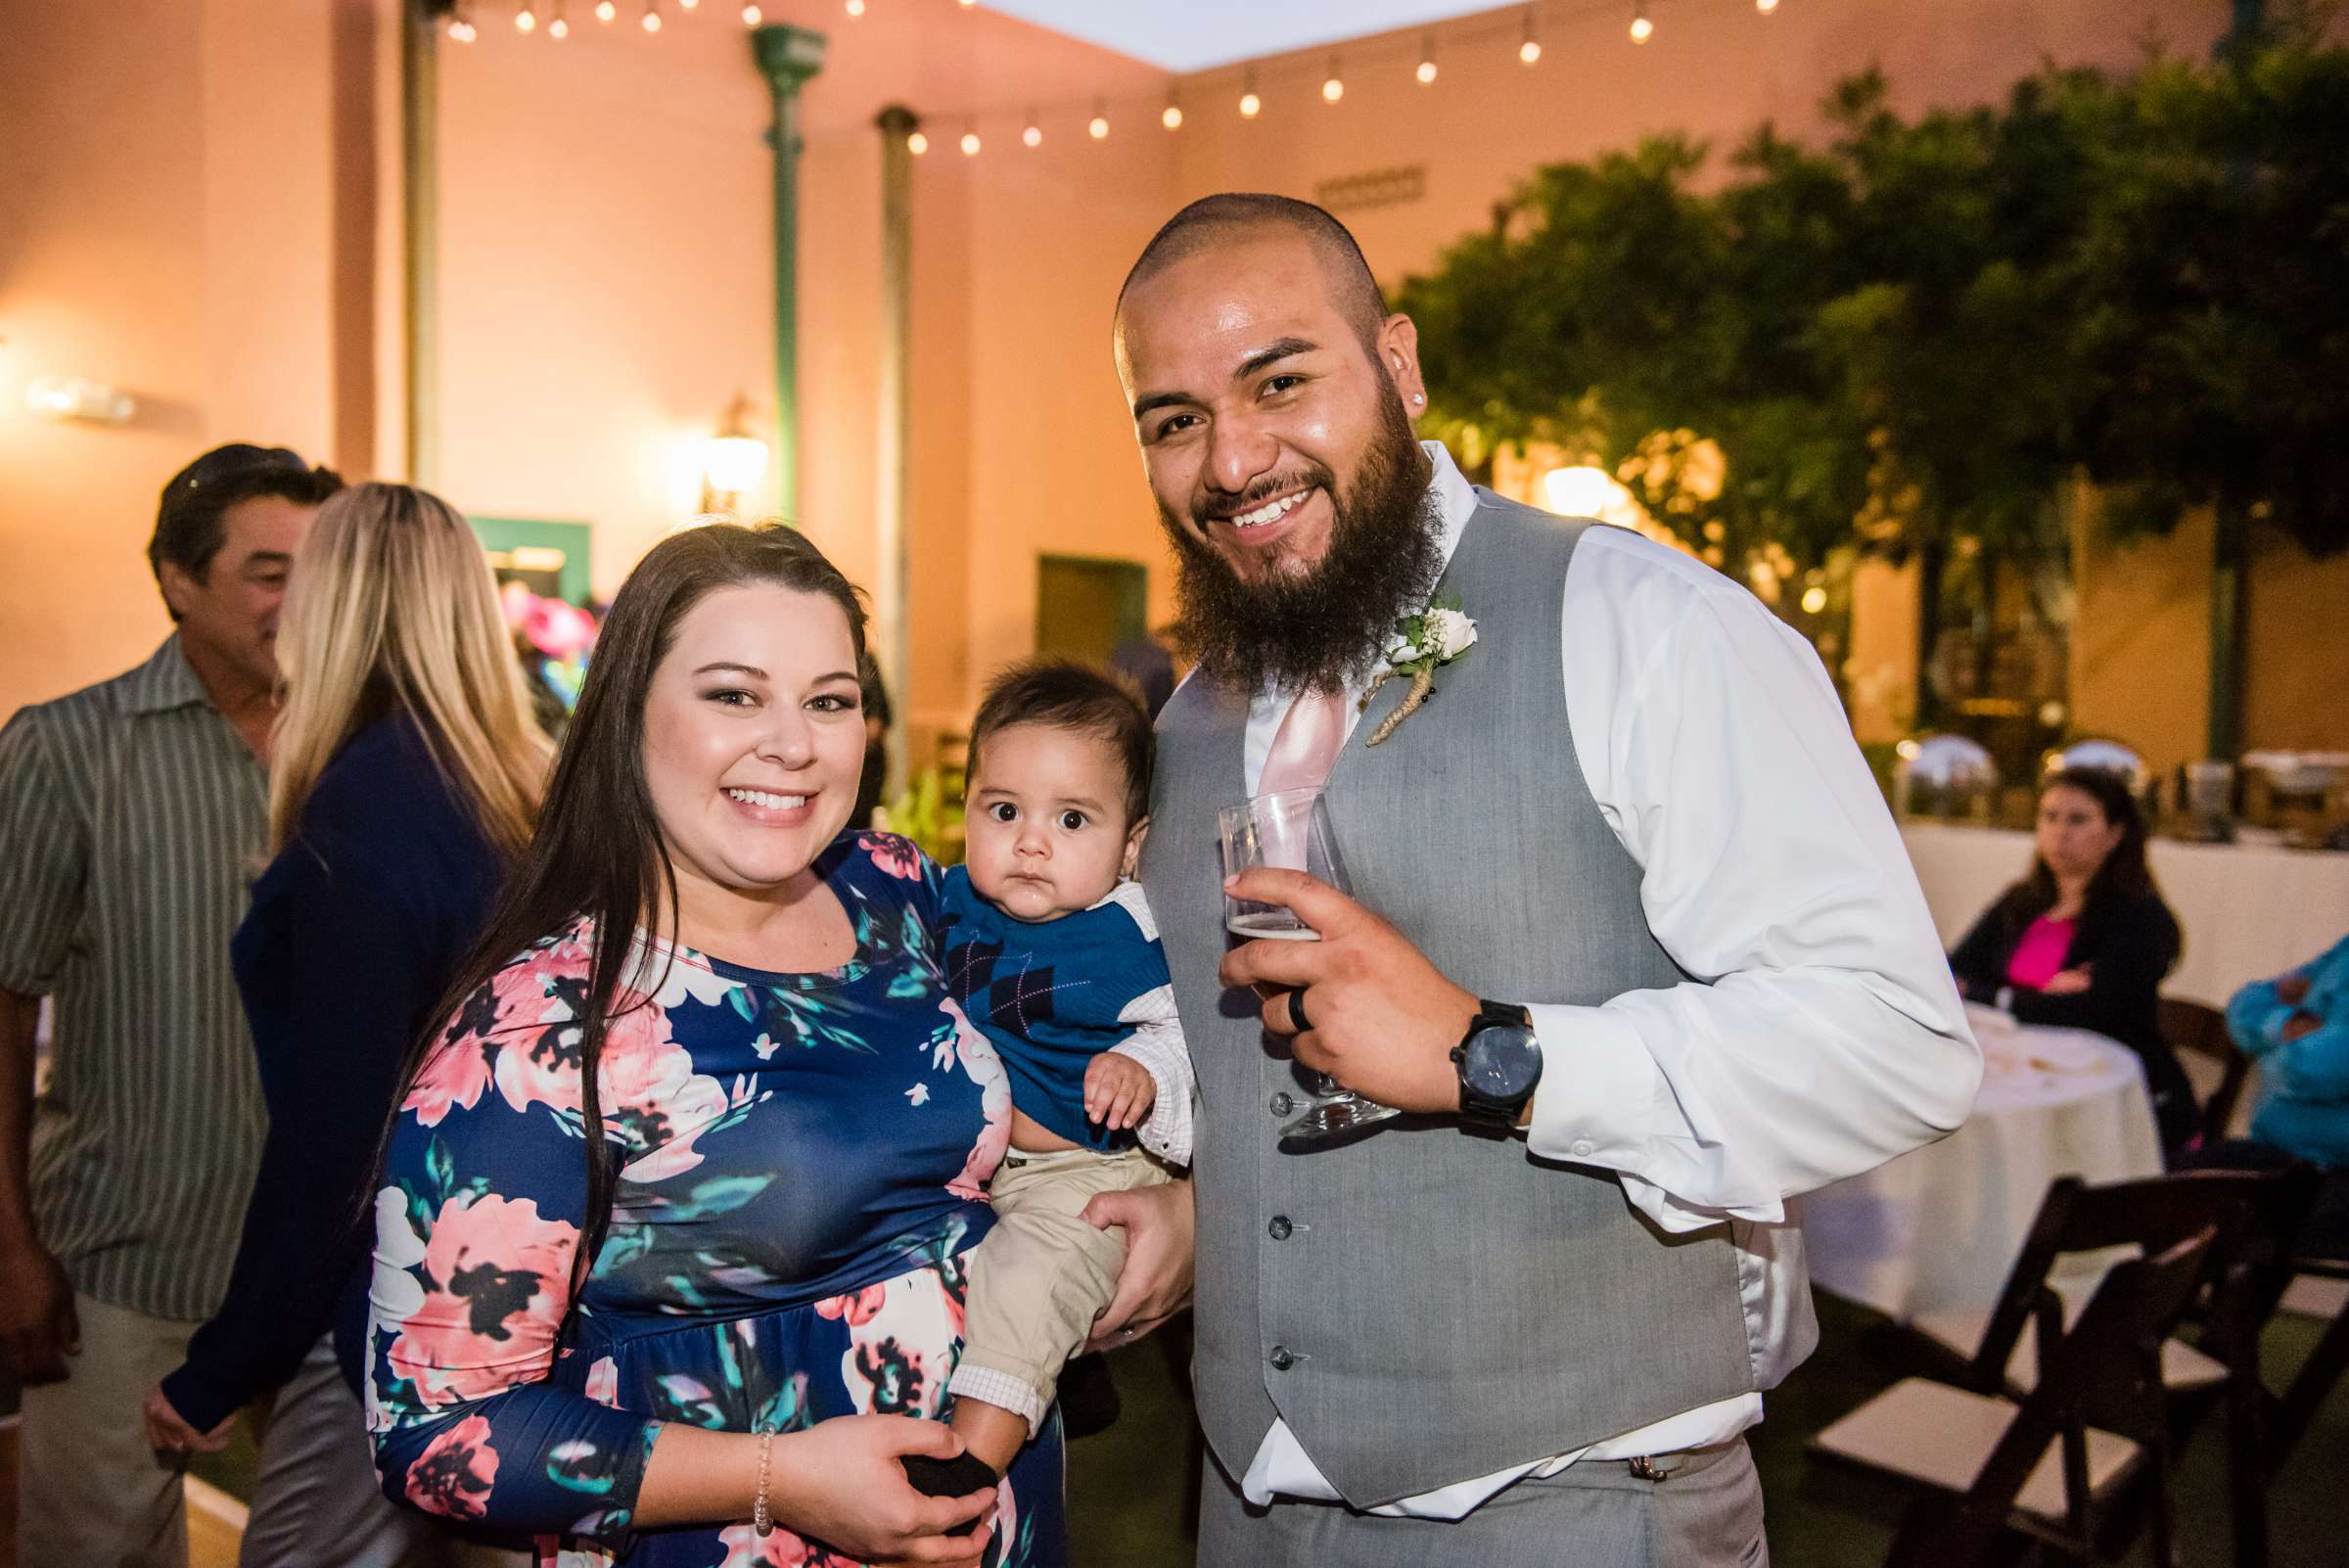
<point x="2304" y="1083"/>
<point x="355" y="931"/>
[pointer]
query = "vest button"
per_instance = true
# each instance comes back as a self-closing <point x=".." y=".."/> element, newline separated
<point x="1280" y="1358"/>
<point x="1282" y="1104"/>
<point x="1279" y="1229"/>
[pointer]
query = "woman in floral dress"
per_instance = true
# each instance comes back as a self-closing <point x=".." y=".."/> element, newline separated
<point x="791" y="1127"/>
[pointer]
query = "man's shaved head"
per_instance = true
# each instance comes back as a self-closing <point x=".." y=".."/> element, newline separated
<point x="1237" y="216"/>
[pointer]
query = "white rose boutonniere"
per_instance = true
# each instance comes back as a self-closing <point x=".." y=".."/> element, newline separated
<point x="1423" y="643"/>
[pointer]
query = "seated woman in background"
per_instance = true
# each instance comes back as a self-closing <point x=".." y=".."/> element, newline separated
<point x="2084" y="941"/>
<point x="405" y="772"/>
<point x="2296" y="1027"/>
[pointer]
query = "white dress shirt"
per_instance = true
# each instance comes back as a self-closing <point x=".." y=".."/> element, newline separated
<point x="1823" y="1034"/>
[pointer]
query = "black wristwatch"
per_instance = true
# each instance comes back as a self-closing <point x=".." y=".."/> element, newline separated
<point x="1500" y="1062"/>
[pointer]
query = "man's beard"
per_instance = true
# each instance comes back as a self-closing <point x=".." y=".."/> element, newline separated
<point x="1317" y="629"/>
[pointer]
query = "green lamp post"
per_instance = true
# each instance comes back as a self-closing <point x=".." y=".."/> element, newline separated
<point x="787" y="57"/>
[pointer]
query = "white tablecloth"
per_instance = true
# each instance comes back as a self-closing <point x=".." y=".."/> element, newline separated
<point x="1939" y="1229"/>
<point x="2248" y="910"/>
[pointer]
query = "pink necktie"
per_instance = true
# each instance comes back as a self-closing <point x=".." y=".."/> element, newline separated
<point x="1307" y="743"/>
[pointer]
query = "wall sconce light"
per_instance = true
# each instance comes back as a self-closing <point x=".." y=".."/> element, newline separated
<point x="733" y="461"/>
<point x="78" y="397"/>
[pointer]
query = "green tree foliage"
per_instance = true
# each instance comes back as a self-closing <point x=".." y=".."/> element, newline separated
<point x="1921" y="330"/>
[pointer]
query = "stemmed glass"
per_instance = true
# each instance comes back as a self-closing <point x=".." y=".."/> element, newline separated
<point x="1290" y="830"/>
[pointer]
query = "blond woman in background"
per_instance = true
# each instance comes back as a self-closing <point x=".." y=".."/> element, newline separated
<point x="405" y="776"/>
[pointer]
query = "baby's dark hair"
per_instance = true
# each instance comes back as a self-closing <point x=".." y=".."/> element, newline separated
<point x="1065" y="695"/>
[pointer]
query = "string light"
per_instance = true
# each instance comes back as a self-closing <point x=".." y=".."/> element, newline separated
<point x="460" y="29"/>
<point x="1766" y="7"/>
<point x="1529" y="50"/>
<point x="1171" y="116"/>
<point x="605" y="10"/>
<point x="687" y="5"/>
<point x="526" y="20"/>
<point x="967" y="4"/>
<point x="1642" y="29"/>
<point x="652" y="16"/>
<point x="1427" y="60"/>
<point x="1098" y="127"/>
<point x="917" y="144"/>
<point x="1333" y="88"/>
<point x="752" y="15"/>
<point x="1249" y="102"/>
<point x="855" y="8"/>
<point x="970" y="141"/>
<point x="1034" y="134"/>
<point x="558" y="28"/>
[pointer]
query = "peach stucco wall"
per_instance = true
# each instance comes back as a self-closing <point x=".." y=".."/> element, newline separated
<point x="605" y="261"/>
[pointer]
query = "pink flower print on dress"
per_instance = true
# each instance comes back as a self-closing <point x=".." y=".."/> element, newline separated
<point x="885" y="1367"/>
<point x="777" y="1549"/>
<point x="452" y="1476"/>
<point x="494" y="1274"/>
<point x="986" y="1069"/>
<point x="901" y="857"/>
<point x="453" y="1076"/>
<point x="857" y="1307"/>
<point x="654" y="1101"/>
<point x="603" y="1382"/>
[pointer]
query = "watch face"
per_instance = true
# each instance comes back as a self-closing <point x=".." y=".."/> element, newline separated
<point x="1503" y="1062"/>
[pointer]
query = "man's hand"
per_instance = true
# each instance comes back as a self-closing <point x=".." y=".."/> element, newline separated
<point x="1118" y="1091"/>
<point x="171" y="1439"/>
<point x="1160" y="1225"/>
<point x="1384" y="1019"/>
<point x="39" y="1329"/>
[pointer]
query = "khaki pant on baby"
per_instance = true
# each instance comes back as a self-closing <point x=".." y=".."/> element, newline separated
<point x="1042" y="1275"/>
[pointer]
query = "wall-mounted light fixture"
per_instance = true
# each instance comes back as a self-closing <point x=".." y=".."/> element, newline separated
<point x="78" y="397"/>
<point x="733" y="461"/>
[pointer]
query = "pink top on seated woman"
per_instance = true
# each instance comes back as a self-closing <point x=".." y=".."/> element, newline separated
<point x="2084" y="940"/>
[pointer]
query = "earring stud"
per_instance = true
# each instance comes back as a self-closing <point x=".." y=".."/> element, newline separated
<point x="1418" y="397"/>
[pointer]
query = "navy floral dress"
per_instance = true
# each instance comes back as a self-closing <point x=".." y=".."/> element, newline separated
<point x="802" y="1162"/>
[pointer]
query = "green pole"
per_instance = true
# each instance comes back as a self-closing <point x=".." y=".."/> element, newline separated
<point x="420" y="204"/>
<point x="787" y="57"/>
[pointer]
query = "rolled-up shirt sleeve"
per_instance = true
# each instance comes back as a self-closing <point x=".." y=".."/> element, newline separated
<point x="1818" y="1034"/>
<point x="1158" y="1044"/>
<point x="43" y="860"/>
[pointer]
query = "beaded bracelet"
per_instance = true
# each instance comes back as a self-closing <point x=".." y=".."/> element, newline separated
<point x="762" y="1522"/>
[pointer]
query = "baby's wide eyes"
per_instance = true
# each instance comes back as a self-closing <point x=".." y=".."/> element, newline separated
<point x="1071" y="821"/>
<point x="1003" y="811"/>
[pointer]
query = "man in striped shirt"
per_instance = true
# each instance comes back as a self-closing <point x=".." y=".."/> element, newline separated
<point x="130" y="815"/>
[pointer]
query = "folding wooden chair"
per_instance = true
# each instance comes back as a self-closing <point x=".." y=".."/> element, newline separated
<point x="2199" y="1032"/>
<point x="2051" y="1467"/>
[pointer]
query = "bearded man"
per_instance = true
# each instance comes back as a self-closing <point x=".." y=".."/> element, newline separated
<point x="1636" y="949"/>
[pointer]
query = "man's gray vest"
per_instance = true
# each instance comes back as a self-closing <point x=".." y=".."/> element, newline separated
<point x="1430" y="1305"/>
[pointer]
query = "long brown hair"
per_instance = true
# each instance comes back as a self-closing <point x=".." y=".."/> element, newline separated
<point x="393" y="606"/>
<point x="598" y="851"/>
<point x="2124" y="874"/>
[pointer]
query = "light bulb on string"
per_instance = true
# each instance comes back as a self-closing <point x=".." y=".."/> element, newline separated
<point x="970" y="142"/>
<point x="1531" y="49"/>
<point x="967" y="4"/>
<point x="688" y="5"/>
<point x="1642" y="29"/>
<point x="605" y="10"/>
<point x="1098" y="127"/>
<point x="752" y="15"/>
<point x="652" y="16"/>
<point x="525" y="19"/>
<point x="1171" y="117"/>
<point x="1032" y="134"/>
<point x="1250" y="104"/>
<point x="855" y="8"/>
<point x="917" y="144"/>
<point x="460" y="29"/>
<point x="1766" y="7"/>
<point x="557" y="26"/>
<point x="1427" y="60"/>
<point x="1333" y="87"/>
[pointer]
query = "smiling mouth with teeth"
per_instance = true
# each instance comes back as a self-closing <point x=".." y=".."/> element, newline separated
<point x="1270" y="511"/>
<point x="768" y="799"/>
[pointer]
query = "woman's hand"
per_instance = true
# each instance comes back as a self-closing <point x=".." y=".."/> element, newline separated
<point x="2068" y="983"/>
<point x="171" y="1439"/>
<point x="1160" y="1225"/>
<point x="840" y="1482"/>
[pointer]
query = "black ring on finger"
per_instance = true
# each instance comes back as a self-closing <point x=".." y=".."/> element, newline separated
<point x="1297" y="1011"/>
